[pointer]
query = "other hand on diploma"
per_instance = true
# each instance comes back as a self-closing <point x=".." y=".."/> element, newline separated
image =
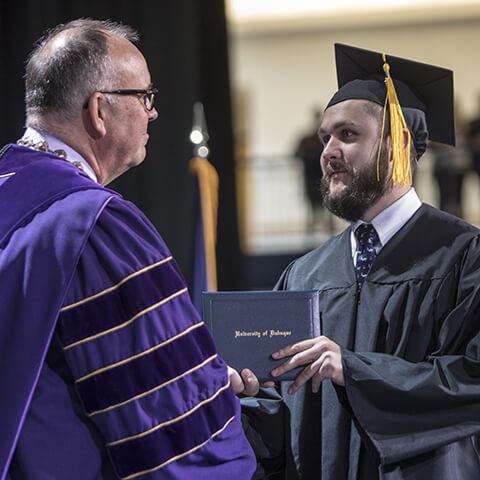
<point x="246" y="382"/>
<point x="322" y="356"/>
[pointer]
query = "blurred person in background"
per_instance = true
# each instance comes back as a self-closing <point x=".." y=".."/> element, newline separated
<point x="308" y="151"/>
<point x="473" y="141"/>
<point x="450" y="165"/>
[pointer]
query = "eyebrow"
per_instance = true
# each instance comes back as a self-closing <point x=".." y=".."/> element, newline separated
<point x="340" y="124"/>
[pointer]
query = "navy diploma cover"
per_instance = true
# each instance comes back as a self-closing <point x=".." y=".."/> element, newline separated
<point x="249" y="326"/>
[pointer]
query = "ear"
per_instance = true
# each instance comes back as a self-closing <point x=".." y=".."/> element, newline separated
<point x="94" y="116"/>
<point x="388" y="143"/>
<point x="406" y="138"/>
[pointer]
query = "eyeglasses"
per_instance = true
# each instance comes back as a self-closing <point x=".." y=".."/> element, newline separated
<point x="148" y="95"/>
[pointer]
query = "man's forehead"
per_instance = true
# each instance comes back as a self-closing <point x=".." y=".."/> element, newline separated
<point x="324" y="127"/>
<point x="354" y="105"/>
<point x="348" y="112"/>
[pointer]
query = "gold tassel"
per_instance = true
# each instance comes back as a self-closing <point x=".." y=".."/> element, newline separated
<point x="402" y="172"/>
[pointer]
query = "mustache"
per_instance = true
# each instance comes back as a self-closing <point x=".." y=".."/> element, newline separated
<point x="337" y="166"/>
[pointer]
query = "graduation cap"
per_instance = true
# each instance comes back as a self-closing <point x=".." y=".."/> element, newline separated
<point x="418" y="96"/>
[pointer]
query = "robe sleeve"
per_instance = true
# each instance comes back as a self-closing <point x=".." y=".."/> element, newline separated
<point x="264" y="420"/>
<point x="282" y="283"/>
<point x="404" y="408"/>
<point x="143" y="363"/>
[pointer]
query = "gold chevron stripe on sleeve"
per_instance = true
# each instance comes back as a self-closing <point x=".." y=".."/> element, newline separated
<point x="124" y="324"/>
<point x="170" y="460"/>
<point x="114" y="287"/>
<point x="138" y="355"/>
<point x="158" y="387"/>
<point x="173" y="420"/>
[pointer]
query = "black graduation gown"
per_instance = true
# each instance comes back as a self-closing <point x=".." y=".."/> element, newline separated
<point x="411" y="355"/>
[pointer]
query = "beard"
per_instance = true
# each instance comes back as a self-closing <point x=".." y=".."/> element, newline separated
<point x="360" y="194"/>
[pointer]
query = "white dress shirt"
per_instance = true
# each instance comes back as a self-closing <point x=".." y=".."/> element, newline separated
<point x="388" y="222"/>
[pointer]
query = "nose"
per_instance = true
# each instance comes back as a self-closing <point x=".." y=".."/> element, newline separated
<point x="331" y="151"/>
<point x="152" y="114"/>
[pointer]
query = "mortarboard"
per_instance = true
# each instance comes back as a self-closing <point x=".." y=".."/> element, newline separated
<point x="424" y="92"/>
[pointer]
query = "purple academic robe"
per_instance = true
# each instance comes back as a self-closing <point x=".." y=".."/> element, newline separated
<point x="109" y="371"/>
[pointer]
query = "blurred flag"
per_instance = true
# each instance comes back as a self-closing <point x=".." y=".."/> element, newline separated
<point x="204" y="266"/>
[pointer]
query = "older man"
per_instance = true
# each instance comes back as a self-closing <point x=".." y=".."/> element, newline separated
<point x="391" y="390"/>
<point x="107" y="370"/>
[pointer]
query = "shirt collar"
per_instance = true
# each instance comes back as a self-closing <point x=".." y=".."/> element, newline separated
<point x="388" y="222"/>
<point x="56" y="144"/>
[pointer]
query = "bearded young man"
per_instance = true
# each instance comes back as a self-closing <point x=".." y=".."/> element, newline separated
<point x="391" y="390"/>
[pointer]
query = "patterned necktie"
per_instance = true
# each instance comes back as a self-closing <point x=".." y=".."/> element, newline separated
<point x="367" y="237"/>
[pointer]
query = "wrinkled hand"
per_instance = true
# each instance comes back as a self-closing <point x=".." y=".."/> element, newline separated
<point x="322" y="357"/>
<point x="246" y="383"/>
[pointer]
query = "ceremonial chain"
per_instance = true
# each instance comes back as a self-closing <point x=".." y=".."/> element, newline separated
<point x="43" y="147"/>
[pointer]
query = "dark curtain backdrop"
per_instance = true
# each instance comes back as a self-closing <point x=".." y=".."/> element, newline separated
<point x="185" y="44"/>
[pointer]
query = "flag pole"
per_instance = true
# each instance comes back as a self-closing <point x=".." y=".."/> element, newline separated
<point x="208" y="192"/>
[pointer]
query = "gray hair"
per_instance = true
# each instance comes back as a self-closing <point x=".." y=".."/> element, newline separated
<point x="60" y="79"/>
